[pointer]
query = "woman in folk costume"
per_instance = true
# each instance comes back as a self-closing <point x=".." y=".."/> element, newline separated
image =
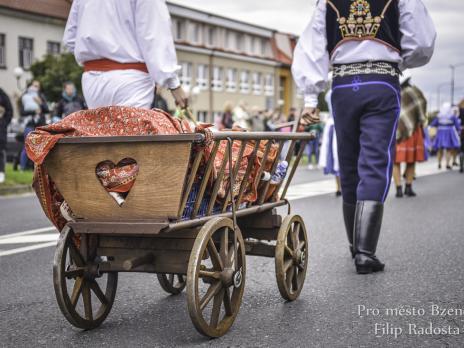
<point x="125" y="47"/>
<point x="367" y="43"/>
<point x="409" y="136"/>
<point x="448" y="130"/>
<point x="328" y="159"/>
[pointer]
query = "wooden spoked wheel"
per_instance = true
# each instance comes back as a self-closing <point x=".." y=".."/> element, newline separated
<point x="291" y="257"/>
<point x="216" y="277"/>
<point x="84" y="296"/>
<point x="172" y="283"/>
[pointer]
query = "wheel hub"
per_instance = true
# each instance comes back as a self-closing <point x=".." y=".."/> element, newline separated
<point x="299" y="258"/>
<point x="238" y="278"/>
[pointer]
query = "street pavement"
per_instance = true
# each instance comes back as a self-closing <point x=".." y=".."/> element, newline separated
<point x="421" y="243"/>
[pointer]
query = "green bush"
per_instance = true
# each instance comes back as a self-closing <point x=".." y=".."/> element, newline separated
<point x="53" y="70"/>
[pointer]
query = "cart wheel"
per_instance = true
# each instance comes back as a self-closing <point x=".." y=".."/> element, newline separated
<point x="78" y="285"/>
<point x="169" y="283"/>
<point x="216" y="277"/>
<point x="291" y="257"/>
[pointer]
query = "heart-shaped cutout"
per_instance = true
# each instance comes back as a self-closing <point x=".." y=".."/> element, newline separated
<point x="117" y="179"/>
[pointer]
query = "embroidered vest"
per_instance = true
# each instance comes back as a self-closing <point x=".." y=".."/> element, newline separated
<point x="363" y="20"/>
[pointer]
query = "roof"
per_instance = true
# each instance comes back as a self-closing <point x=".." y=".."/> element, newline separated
<point x="50" y="8"/>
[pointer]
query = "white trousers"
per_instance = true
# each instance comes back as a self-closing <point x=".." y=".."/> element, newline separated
<point x="119" y="87"/>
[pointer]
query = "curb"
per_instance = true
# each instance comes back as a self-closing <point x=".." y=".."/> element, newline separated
<point x="15" y="190"/>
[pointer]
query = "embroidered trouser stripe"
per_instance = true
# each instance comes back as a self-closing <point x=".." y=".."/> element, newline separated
<point x="366" y="111"/>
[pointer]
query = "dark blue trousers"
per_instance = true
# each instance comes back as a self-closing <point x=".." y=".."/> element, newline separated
<point x="366" y="110"/>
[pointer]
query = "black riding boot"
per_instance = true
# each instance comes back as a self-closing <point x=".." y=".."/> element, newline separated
<point x="349" y="211"/>
<point x="368" y="220"/>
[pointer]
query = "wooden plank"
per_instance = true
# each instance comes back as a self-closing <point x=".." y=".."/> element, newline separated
<point x="157" y="267"/>
<point x="259" y="249"/>
<point x="156" y="192"/>
<point x="260" y="234"/>
<point x="268" y="219"/>
<point x="165" y="256"/>
<point x="132" y="139"/>
<point x="122" y="228"/>
<point x="146" y="243"/>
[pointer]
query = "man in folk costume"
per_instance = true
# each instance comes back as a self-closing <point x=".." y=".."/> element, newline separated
<point x="368" y="44"/>
<point x="125" y="47"/>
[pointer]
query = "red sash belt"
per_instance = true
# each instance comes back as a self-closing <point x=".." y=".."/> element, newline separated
<point x="110" y="65"/>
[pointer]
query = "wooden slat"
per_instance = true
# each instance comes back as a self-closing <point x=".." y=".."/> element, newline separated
<point x="204" y="182"/>
<point x="236" y="169"/>
<point x="132" y="139"/>
<point x="217" y="183"/>
<point x="288" y="158"/>
<point x="191" y="180"/>
<point x="262" y="195"/>
<point x="293" y="170"/>
<point x="247" y="174"/>
<point x="263" y="164"/>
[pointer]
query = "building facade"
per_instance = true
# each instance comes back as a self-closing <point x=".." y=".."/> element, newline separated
<point x="221" y="60"/>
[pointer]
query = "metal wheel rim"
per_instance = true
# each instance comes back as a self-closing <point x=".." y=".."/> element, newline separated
<point x="65" y="301"/>
<point x="169" y="284"/>
<point x="291" y="257"/>
<point x="194" y="302"/>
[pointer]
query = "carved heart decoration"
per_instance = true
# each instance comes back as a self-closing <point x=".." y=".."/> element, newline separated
<point x="117" y="179"/>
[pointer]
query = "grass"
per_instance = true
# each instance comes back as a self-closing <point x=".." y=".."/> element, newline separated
<point x="17" y="177"/>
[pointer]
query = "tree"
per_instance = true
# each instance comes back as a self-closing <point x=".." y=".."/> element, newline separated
<point x="53" y="71"/>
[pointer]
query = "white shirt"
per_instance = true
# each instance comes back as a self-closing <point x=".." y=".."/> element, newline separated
<point x="125" y="31"/>
<point x="311" y="61"/>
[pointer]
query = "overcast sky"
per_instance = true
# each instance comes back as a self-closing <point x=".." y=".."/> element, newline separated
<point x="293" y="15"/>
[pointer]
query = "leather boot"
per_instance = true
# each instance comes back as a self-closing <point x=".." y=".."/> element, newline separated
<point x="368" y="221"/>
<point x="349" y="211"/>
<point x="408" y="191"/>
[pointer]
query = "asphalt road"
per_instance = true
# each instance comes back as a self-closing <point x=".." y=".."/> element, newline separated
<point x="422" y="245"/>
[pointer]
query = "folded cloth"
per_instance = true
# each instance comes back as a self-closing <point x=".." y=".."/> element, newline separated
<point x="107" y="121"/>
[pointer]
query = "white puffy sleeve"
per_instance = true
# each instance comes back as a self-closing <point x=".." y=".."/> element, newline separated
<point x="418" y="34"/>
<point x="154" y="37"/>
<point x="69" y="37"/>
<point x="311" y="61"/>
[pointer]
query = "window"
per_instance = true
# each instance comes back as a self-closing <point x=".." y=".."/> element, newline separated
<point x="231" y="41"/>
<point x="240" y="45"/>
<point x="255" y="44"/>
<point x="195" y="33"/>
<point x="267" y="49"/>
<point x="53" y="47"/>
<point x="179" y="29"/>
<point x="257" y="83"/>
<point x="185" y="74"/>
<point x="211" y="36"/>
<point x="202" y="76"/>
<point x="26" y="52"/>
<point x="2" y="51"/>
<point x="269" y="85"/>
<point x="217" y="80"/>
<point x="231" y="80"/>
<point x="245" y="81"/>
<point x="248" y="49"/>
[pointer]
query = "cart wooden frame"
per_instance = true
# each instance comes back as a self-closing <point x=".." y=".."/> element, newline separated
<point x="204" y="254"/>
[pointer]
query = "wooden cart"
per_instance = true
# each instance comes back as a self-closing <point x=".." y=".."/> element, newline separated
<point x="149" y="233"/>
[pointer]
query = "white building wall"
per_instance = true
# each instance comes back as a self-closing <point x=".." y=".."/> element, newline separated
<point x="15" y="26"/>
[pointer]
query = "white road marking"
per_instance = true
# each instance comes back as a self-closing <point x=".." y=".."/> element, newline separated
<point x="28" y="248"/>
<point x="29" y="239"/>
<point x="24" y="233"/>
